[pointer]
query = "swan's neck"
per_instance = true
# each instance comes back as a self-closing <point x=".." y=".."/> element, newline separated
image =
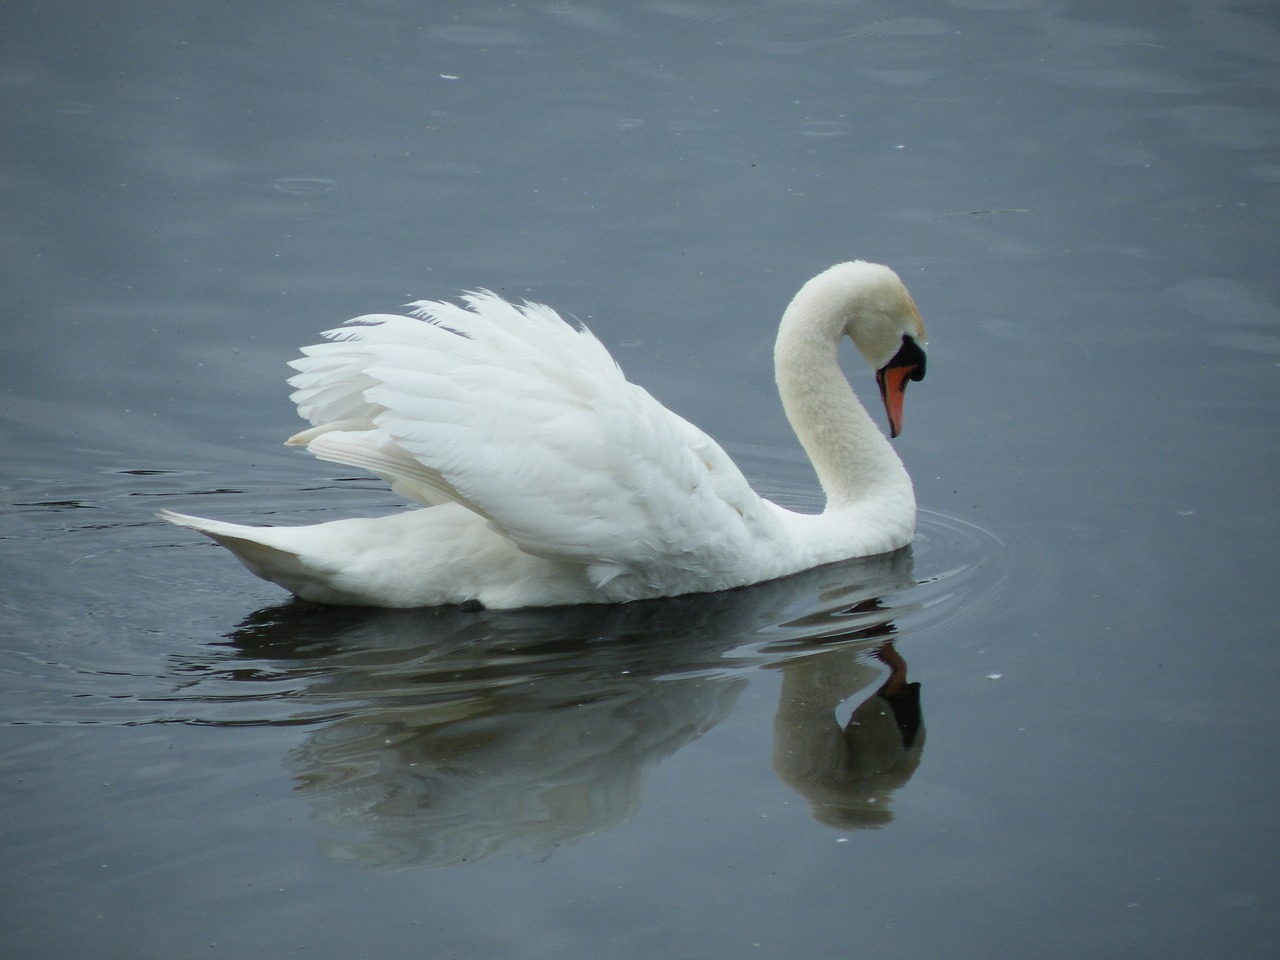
<point x="853" y="459"/>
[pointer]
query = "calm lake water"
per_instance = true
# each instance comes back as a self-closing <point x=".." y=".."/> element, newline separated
<point x="1083" y="199"/>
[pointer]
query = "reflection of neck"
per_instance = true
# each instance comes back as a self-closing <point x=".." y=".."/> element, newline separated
<point x="809" y="745"/>
<point x="847" y="774"/>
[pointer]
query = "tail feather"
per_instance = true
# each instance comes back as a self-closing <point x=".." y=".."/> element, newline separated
<point x="274" y="563"/>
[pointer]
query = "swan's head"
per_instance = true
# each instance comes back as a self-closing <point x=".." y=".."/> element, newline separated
<point x="869" y="303"/>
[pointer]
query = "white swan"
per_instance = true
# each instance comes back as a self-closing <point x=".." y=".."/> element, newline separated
<point x="550" y="479"/>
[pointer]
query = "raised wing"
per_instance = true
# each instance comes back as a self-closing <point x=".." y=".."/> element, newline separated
<point x="528" y="421"/>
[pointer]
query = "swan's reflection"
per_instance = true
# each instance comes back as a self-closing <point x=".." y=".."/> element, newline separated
<point x="847" y="773"/>
<point x="457" y="736"/>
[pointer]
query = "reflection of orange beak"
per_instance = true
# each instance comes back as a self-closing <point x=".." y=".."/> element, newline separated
<point x="893" y="390"/>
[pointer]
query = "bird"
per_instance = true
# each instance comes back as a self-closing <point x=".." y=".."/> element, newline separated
<point x="547" y="478"/>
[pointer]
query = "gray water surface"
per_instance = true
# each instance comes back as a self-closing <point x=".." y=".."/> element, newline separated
<point x="1081" y="197"/>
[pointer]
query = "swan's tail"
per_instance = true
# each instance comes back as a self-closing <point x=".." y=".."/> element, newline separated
<point x="252" y="547"/>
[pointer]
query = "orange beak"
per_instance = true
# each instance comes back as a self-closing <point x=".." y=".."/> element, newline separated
<point x="893" y="390"/>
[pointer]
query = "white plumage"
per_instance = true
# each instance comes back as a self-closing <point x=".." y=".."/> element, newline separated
<point x="548" y="478"/>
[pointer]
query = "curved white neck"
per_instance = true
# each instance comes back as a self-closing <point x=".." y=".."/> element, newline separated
<point x="853" y="459"/>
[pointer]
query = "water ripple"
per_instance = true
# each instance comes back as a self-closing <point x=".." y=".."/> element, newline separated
<point x="304" y="185"/>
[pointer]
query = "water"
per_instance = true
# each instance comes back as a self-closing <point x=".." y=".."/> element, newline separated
<point x="1082" y="201"/>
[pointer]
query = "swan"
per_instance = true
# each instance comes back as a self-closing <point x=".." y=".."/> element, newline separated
<point x="548" y="478"/>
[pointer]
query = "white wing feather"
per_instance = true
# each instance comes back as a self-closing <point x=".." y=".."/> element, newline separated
<point x="530" y="423"/>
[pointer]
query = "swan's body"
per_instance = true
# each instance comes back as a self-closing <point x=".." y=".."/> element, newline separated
<point x="550" y="479"/>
